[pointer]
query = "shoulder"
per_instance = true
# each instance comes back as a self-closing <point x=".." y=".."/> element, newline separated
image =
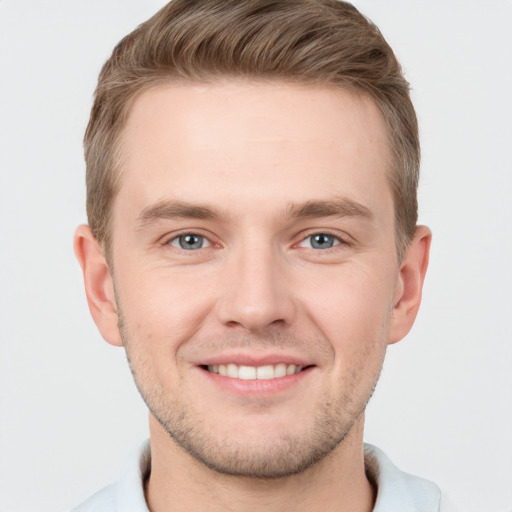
<point x="127" y="494"/>
<point x="102" y="501"/>
<point x="397" y="490"/>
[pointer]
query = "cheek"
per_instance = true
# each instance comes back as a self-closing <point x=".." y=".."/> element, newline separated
<point x="352" y="307"/>
<point x="161" y="307"/>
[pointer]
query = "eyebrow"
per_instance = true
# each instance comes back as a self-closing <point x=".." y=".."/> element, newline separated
<point x="171" y="209"/>
<point x="339" y="207"/>
<point x="168" y="209"/>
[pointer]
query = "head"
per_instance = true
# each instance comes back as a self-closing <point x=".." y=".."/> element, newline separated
<point x="325" y="42"/>
<point x="252" y="171"/>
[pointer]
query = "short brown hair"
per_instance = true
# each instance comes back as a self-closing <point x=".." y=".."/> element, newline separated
<point x="307" y="41"/>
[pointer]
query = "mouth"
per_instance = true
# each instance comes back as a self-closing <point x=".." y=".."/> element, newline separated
<point x="266" y="372"/>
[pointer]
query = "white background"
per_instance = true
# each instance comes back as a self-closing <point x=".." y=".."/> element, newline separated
<point x="70" y="413"/>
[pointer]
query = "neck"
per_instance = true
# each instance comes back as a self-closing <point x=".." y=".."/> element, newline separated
<point x="337" y="483"/>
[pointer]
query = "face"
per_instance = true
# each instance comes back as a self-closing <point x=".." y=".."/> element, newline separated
<point x="255" y="267"/>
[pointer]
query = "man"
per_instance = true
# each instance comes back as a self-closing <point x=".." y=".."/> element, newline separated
<point x="252" y="243"/>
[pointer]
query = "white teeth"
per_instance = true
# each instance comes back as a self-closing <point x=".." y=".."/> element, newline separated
<point x="247" y="373"/>
<point x="291" y="369"/>
<point x="280" y="370"/>
<point x="266" y="372"/>
<point x="232" y="371"/>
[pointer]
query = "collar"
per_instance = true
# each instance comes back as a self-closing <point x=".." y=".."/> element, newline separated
<point x="396" y="490"/>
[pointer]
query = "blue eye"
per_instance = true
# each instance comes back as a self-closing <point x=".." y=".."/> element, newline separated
<point x="190" y="242"/>
<point x="320" y="241"/>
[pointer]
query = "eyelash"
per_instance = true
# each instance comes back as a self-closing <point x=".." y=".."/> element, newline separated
<point x="176" y="238"/>
<point x="337" y="241"/>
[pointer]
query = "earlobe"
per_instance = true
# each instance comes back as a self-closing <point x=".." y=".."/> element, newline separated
<point x="410" y="284"/>
<point x="98" y="283"/>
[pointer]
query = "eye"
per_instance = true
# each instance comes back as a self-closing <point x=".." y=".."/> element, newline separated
<point x="189" y="242"/>
<point x="320" y="241"/>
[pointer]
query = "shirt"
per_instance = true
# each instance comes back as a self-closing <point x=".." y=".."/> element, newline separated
<point x="396" y="491"/>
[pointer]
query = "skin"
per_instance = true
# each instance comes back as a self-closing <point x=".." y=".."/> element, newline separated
<point x="256" y="171"/>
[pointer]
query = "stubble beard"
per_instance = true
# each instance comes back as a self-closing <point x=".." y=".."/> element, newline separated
<point x="286" y="455"/>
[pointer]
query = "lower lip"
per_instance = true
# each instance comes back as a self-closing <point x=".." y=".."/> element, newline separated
<point x="264" y="387"/>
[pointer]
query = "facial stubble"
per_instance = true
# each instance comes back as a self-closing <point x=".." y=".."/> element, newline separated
<point x="287" y="454"/>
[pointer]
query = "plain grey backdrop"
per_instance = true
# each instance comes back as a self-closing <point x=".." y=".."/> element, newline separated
<point x="69" y="411"/>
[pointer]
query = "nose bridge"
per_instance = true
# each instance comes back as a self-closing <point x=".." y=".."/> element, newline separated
<point x="256" y="294"/>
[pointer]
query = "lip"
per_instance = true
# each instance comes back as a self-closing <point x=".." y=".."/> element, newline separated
<point x="256" y="388"/>
<point x="242" y="359"/>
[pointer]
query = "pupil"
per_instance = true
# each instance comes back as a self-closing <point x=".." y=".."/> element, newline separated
<point x="322" y="241"/>
<point x="191" y="242"/>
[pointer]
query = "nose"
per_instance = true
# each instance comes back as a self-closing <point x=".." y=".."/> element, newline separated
<point x="256" y="293"/>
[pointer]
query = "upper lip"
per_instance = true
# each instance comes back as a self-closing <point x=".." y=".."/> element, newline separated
<point x="256" y="360"/>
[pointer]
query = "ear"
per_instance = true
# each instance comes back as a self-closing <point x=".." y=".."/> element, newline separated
<point x="99" y="286"/>
<point x="410" y="284"/>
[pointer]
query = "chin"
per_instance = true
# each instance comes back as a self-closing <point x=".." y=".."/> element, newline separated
<point x="261" y="453"/>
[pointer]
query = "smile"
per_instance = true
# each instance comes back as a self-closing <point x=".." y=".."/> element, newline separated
<point x="266" y="372"/>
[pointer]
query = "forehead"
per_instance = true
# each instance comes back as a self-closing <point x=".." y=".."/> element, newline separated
<point x="235" y="141"/>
